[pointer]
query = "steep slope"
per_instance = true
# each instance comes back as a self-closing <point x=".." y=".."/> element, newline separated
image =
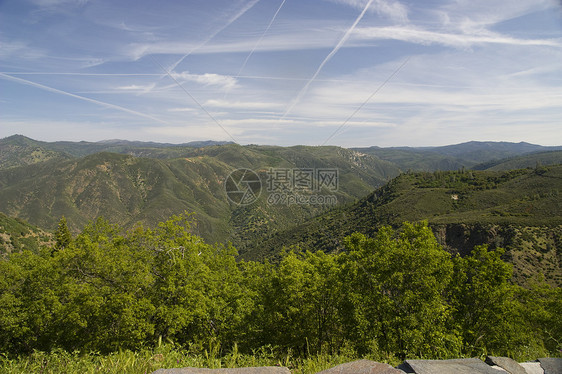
<point x="17" y="235"/>
<point x="128" y="190"/>
<point x="464" y="208"/>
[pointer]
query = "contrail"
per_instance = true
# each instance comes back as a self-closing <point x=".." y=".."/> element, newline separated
<point x="55" y="90"/>
<point x="366" y="101"/>
<point x="330" y="55"/>
<point x="248" y="6"/>
<point x="80" y="74"/>
<point x="260" y="39"/>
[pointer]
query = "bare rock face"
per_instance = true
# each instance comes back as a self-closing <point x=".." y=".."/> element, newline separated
<point x="457" y="366"/>
<point x="249" y="370"/>
<point x="362" y="367"/>
<point x="506" y="363"/>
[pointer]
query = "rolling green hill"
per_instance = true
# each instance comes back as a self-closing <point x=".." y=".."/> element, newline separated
<point x="519" y="209"/>
<point x="130" y="190"/>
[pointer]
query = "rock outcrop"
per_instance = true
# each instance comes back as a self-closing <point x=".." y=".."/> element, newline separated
<point x="492" y="365"/>
<point x="362" y="367"/>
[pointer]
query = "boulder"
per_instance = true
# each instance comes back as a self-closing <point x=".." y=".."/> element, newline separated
<point x="532" y="367"/>
<point x="362" y="367"/>
<point x="457" y="366"/>
<point x="551" y="365"/>
<point x="506" y="363"/>
<point x="249" y="370"/>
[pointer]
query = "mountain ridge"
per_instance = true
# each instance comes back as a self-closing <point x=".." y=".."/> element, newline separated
<point x="465" y="208"/>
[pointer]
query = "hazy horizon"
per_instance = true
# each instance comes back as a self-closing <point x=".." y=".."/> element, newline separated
<point x="258" y="144"/>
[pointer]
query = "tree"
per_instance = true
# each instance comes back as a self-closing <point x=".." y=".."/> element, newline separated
<point x="398" y="289"/>
<point x="63" y="237"/>
<point x="301" y="302"/>
<point x="484" y="303"/>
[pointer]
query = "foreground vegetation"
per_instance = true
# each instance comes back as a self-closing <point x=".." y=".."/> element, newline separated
<point x="166" y="356"/>
<point x="397" y="295"/>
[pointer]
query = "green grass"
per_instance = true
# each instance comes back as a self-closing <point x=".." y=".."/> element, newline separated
<point x="167" y="356"/>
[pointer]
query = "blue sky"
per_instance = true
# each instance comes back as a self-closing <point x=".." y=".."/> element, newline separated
<point x="343" y="72"/>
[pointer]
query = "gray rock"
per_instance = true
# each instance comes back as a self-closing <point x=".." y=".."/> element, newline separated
<point x="362" y="367"/>
<point x="506" y="363"/>
<point x="499" y="368"/>
<point x="457" y="366"/>
<point x="551" y="365"/>
<point x="249" y="370"/>
<point x="532" y="367"/>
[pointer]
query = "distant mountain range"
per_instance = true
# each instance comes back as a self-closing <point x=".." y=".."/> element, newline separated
<point x="453" y="157"/>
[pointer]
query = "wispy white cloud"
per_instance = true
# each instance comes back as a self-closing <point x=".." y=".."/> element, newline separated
<point x="299" y="36"/>
<point x="208" y="79"/>
<point x="51" y="3"/>
<point x="181" y="110"/>
<point x="19" y="49"/>
<point x="136" y="88"/>
<point x="241" y="104"/>
<point x="417" y="35"/>
<point x="473" y="15"/>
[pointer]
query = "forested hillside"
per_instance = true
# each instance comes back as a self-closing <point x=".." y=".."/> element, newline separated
<point x="169" y="180"/>
<point x="518" y="210"/>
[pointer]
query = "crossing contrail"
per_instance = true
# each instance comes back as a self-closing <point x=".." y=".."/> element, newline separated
<point x="380" y="87"/>
<point x="330" y="55"/>
<point x="248" y="6"/>
<point x="102" y="103"/>
<point x="260" y="39"/>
